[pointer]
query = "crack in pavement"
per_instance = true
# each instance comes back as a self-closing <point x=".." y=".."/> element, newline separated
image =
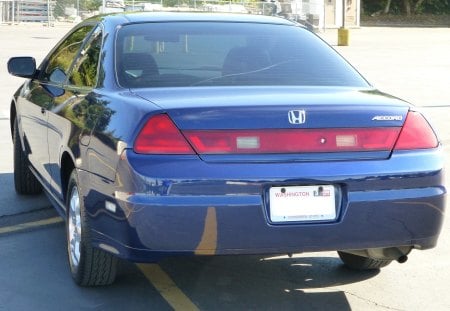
<point x="370" y="301"/>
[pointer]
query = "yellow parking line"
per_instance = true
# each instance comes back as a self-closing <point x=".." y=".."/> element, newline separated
<point x="167" y="287"/>
<point x="153" y="272"/>
<point x="33" y="224"/>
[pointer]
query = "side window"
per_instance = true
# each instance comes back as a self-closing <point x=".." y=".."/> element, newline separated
<point x="63" y="56"/>
<point x="84" y="72"/>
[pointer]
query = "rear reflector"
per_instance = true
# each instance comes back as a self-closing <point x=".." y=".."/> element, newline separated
<point x="161" y="136"/>
<point x="292" y="140"/>
<point x="416" y="134"/>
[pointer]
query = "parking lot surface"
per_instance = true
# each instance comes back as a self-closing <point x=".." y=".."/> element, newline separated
<point x="411" y="63"/>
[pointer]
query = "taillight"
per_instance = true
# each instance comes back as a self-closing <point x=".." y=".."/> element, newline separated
<point x="416" y="134"/>
<point x="292" y="140"/>
<point x="161" y="136"/>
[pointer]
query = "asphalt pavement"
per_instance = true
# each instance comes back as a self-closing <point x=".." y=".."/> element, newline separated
<point x="411" y="63"/>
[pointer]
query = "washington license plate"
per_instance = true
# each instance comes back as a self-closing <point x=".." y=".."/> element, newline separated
<point x="302" y="203"/>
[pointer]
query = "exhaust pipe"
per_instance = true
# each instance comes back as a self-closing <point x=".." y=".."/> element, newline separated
<point x="402" y="259"/>
<point x="400" y="254"/>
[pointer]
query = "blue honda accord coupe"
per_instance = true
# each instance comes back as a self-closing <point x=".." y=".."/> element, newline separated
<point x="158" y="134"/>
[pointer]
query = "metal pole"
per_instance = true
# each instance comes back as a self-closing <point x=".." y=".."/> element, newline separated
<point x="48" y="13"/>
<point x="343" y="34"/>
<point x="324" y="15"/>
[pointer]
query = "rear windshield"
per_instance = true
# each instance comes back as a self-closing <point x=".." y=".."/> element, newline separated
<point x="227" y="54"/>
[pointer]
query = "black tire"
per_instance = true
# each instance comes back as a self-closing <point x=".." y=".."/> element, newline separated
<point x="362" y="263"/>
<point x="24" y="180"/>
<point x="89" y="266"/>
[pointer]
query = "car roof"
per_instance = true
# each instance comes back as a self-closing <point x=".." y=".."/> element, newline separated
<point x="140" y="17"/>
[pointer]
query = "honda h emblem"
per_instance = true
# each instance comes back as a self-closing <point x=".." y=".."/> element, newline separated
<point x="297" y="116"/>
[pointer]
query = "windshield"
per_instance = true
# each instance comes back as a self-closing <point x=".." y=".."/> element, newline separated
<point x="224" y="54"/>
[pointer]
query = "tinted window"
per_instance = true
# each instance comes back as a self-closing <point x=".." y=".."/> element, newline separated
<point x="215" y="53"/>
<point x="84" y="72"/>
<point x="64" y="55"/>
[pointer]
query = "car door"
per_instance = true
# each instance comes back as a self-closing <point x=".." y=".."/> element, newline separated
<point x="31" y="107"/>
<point x="71" y="117"/>
<point x="39" y="95"/>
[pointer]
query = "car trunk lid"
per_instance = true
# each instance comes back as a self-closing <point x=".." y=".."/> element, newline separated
<point x="283" y="122"/>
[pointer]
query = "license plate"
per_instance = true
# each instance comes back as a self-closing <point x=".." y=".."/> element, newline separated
<point x="302" y="203"/>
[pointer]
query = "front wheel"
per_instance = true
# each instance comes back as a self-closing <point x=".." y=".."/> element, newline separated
<point x="89" y="266"/>
<point x="24" y="180"/>
<point x="356" y="262"/>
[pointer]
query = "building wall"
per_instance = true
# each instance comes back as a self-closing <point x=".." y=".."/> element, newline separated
<point x="325" y="13"/>
<point x="333" y="13"/>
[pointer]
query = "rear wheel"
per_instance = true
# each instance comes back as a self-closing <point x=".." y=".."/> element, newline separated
<point x="362" y="263"/>
<point x="24" y="180"/>
<point x="89" y="266"/>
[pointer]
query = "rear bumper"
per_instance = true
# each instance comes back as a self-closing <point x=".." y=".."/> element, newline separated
<point x="383" y="204"/>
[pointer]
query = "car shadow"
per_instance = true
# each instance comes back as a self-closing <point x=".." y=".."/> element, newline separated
<point x="13" y="204"/>
<point x="35" y="275"/>
<point x="264" y="283"/>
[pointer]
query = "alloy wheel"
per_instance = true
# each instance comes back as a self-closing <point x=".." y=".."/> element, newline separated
<point x="74" y="229"/>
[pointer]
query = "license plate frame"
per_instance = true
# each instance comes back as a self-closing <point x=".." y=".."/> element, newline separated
<point x="313" y="203"/>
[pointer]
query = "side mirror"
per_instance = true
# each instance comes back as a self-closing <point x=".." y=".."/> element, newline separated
<point x="24" y="67"/>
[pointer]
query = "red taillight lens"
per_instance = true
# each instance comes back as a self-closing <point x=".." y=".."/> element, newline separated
<point x="292" y="140"/>
<point x="161" y="136"/>
<point x="416" y="134"/>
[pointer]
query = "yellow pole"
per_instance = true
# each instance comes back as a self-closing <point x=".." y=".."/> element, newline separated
<point x="343" y="36"/>
<point x="343" y="33"/>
